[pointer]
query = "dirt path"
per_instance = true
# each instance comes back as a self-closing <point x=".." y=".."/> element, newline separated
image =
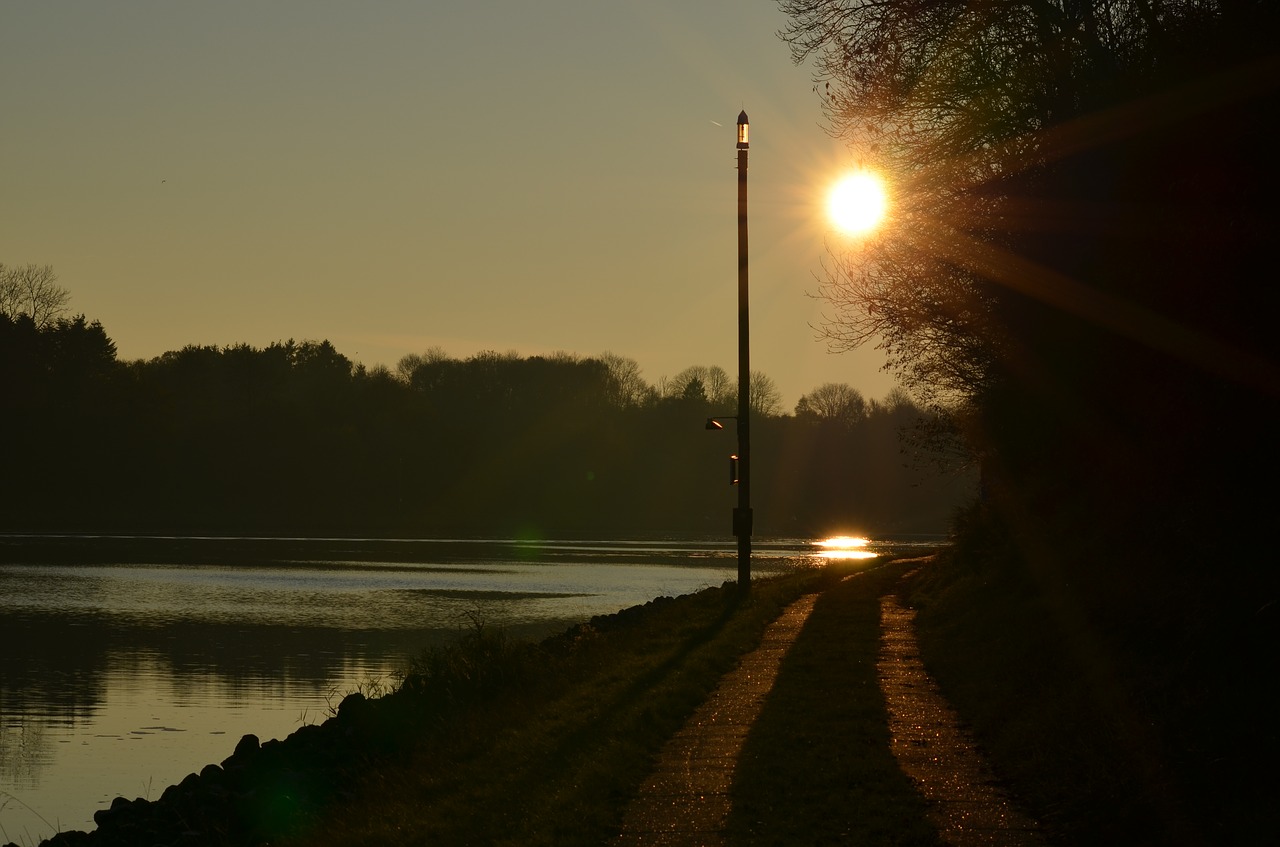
<point x="932" y="747"/>
<point x="688" y="800"/>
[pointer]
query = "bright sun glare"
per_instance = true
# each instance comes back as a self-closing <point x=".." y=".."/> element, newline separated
<point x="845" y="547"/>
<point x="857" y="203"/>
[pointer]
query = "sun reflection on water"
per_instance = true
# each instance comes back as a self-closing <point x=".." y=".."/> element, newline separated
<point x="842" y="547"/>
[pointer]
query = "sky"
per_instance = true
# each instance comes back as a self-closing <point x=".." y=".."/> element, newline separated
<point x="400" y="175"/>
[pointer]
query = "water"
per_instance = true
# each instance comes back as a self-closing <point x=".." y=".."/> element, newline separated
<point x="127" y="663"/>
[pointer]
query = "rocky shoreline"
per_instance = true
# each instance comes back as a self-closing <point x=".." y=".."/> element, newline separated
<point x="260" y="792"/>
<point x="266" y="790"/>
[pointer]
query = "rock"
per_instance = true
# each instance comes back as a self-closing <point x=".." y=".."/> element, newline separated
<point x="353" y="706"/>
<point x="117" y="808"/>
<point x="246" y="749"/>
<point x="213" y="775"/>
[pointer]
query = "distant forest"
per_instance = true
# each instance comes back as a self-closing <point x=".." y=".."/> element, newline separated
<point x="295" y="438"/>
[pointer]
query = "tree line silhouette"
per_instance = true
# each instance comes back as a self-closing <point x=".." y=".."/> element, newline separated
<point x="296" y="438"/>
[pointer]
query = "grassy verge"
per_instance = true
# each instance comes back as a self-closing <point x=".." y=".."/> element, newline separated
<point x="511" y="743"/>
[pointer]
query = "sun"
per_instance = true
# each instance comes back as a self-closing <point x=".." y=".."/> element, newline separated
<point x="857" y="203"/>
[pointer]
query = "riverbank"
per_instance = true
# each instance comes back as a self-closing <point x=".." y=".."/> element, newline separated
<point x="129" y="664"/>
<point x="547" y="733"/>
<point x="493" y="741"/>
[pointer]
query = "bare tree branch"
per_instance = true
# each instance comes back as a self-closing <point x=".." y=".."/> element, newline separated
<point x="32" y="290"/>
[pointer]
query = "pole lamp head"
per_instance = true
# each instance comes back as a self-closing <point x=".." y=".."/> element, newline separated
<point x="742" y="130"/>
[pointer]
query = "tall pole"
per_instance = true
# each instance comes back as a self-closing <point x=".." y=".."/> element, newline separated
<point x="742" y="514"/>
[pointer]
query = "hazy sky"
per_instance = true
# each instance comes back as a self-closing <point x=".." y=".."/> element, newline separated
<point x="398" y="175"/>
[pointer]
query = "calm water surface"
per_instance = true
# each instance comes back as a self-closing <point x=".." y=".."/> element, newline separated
<point x="127" y="663"/>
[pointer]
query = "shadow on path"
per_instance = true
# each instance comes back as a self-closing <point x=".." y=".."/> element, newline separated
<point x="817" y="767"/>
<point x="685" y="801"/>
<point x="829" y="733"/>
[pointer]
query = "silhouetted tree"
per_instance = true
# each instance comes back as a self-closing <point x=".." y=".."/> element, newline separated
<point x="1076" y="268"/>
<point x="1081" y="212"/>
<point x="720" y="392"/>
<point x="630" y="387"/>
<point x="409" y="363"/>
<point x="763" y="397"/>
<point x="714" y="384"/>
<point x="32" y="290"/>
<point x="1006" y="128"/>
<point x="833" y="401"/>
